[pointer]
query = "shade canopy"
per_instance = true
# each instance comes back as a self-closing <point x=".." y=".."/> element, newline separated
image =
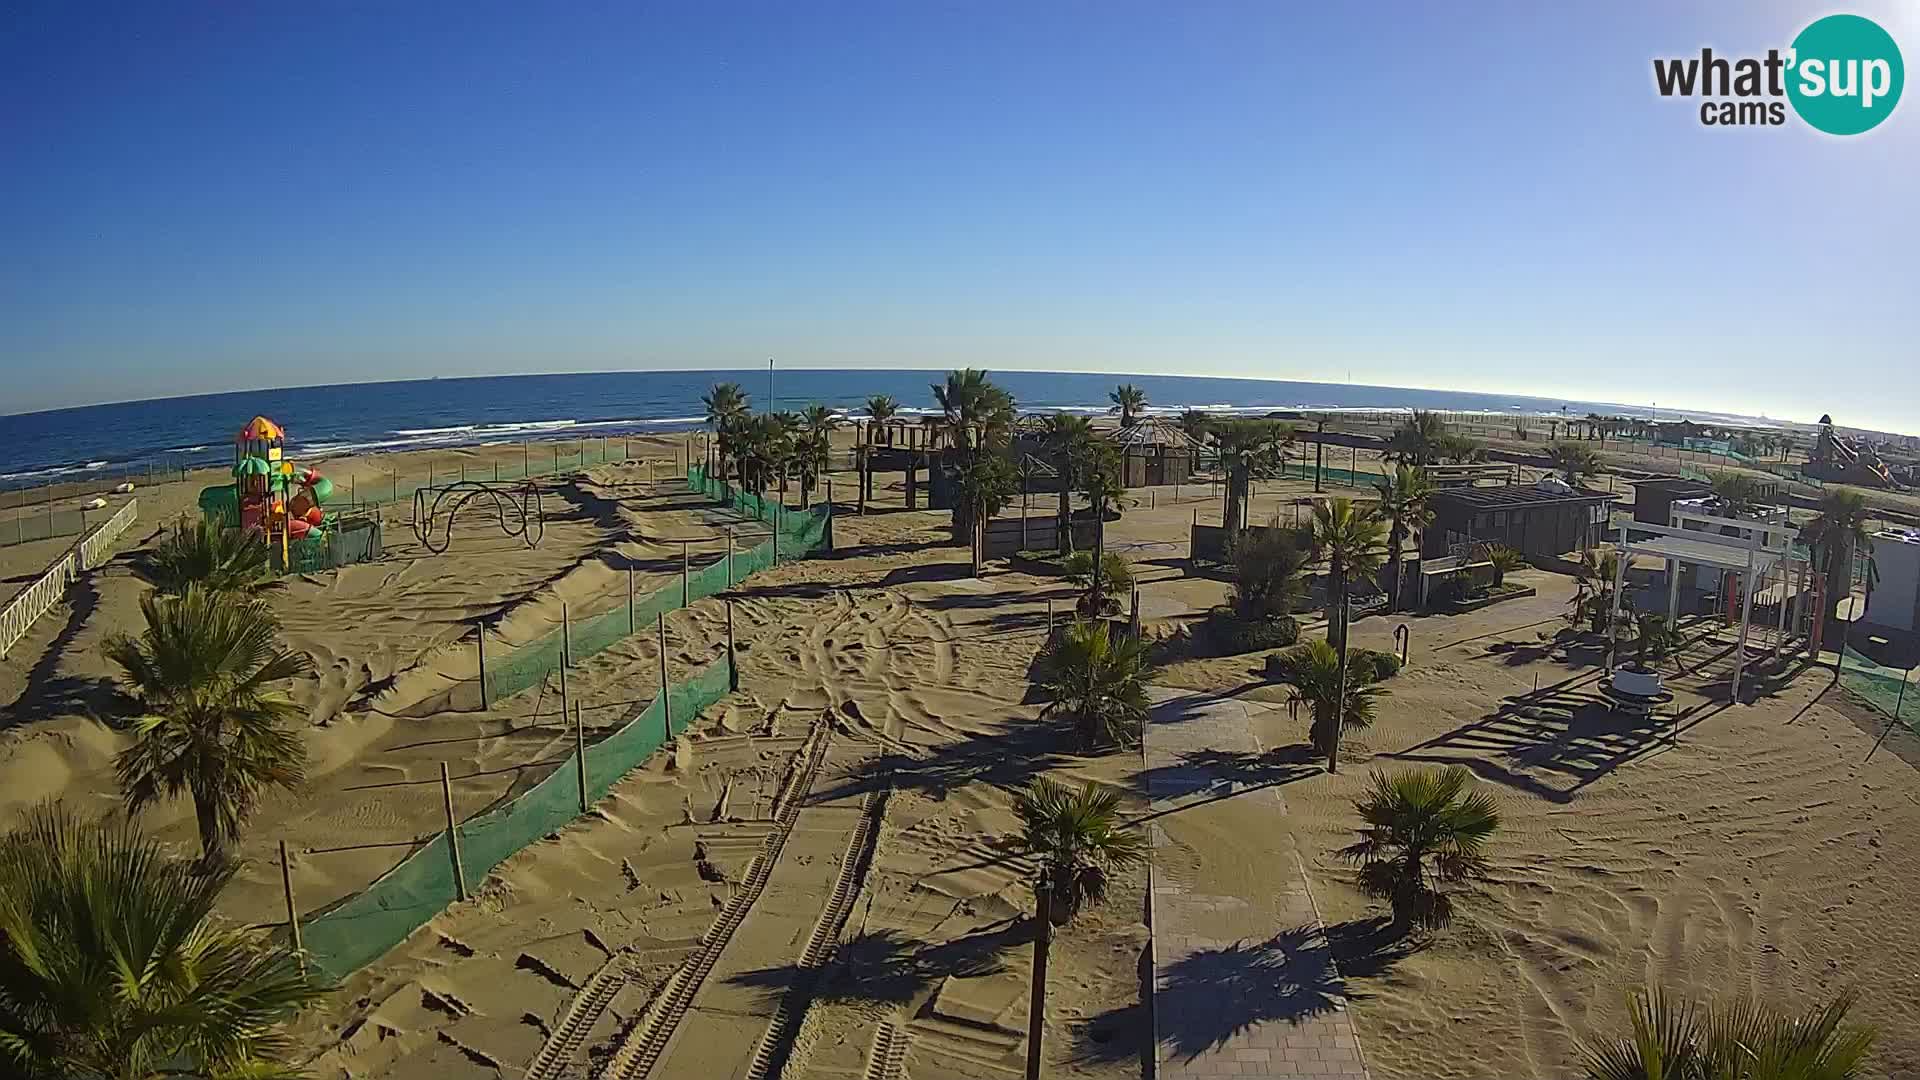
<point x="1706" y="553"/>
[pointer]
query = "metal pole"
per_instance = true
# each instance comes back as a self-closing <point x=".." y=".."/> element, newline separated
<point x="566" y="638"/>
<point x="453" y="836"/>
<point x="480" y="651"/>
<point x="729" y="558"/>
<point x="630" y="600"/>
<point x="733" y="664"/>
<point x="293" y="914"/>
<point x="580" y="754"/>
<point x="684" y="572"/>
<point x="666" y="705"/>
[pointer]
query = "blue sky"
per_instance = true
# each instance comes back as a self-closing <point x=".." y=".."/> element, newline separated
<point x="1485" y="197"/>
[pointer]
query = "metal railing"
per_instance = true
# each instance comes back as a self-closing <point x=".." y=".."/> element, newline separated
<point x="47" y="590"/>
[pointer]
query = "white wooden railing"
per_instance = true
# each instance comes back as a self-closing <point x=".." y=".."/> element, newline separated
<point x="47" y="590"/>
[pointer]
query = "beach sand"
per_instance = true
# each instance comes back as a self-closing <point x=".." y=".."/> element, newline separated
<point x="882" y="726"/>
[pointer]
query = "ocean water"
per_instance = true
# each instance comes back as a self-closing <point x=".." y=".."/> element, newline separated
<point x="326" y="421"/>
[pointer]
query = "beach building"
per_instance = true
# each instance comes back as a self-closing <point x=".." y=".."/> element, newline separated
<point x="1546" y="519"/>
<point x="1653" y="498"/>
<point x="1894" y="602"/>
<point x="1154" y="452"/>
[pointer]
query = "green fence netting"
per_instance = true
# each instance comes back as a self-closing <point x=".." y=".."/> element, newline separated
<point x="402" y="900"/>
<point x="362" y="928"/>
<point x="1885" y="688"/>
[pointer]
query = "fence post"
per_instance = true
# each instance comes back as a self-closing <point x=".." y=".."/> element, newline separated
<point x="666" y="706"/>
<point x="684" y="572"/>
<point x="429" y="475"/>
<point x="453" y="836"/>
<point x="629" y="599"/>
<point x="480" y="649"/>
<point x="1049" y="615"/>
<point x="566" y="638"/>
<point x="729" y="557"/>
<point x="733" y="665"/>
<point x="293" y="913"/>
<point x="776" y="538"/>
<point x="565" y="702"/>
<point x="580" y="754"/>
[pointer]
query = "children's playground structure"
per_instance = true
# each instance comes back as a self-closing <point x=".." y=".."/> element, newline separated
<point x="285" y="505"/>
<point x="1837" y="460"/>
<point x="518" y="508"/>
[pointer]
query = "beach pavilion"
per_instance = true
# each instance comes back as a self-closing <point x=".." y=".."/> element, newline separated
<point x="1759" y="555"/>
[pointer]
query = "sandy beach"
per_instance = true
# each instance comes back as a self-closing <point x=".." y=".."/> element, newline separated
<point x="884" y="721"/>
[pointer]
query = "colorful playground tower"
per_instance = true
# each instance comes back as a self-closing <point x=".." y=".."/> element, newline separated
<point x="271" y="498"/>
<point x="1838" y="460"/>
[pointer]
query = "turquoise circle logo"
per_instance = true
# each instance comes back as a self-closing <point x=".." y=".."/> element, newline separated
<point x="1845" y="74"/>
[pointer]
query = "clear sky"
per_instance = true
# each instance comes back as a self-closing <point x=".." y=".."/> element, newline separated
<point x="1478" y="196"/>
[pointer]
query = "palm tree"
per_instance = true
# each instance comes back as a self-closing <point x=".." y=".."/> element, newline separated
<point x="1100" y="480"/>
<point x="1097" y="681"/>
<point x="976" y="411"/>
<point x="880" y="409"/>
<point x="1678" y="1040"/>
<point x="1129" y="401"/>
<point x="1424" y="830"/>
<point x="1266" y="572"/>
<point x="1194" y="423"/>
<point x="1835" y="534"/>
<point x="1505" y="560"/>
<point x="1349" y="542"/>
<point x="113" y="966"/>
<point x="812" y="446"/>
<point x="983" y="485"/>
<point x="203" y="672"/>
<point x="977" y="414"/>
<point x="762" y="445"/>
<point x="1593" y="588"/>
<point x="1071" y="439"/>
<point x="727" y="406"/>
<point x="1077" y="842"/>
<point x="207" y="553"/>
<point x="1416" y="441"/>
<point x="1403" y="499"/>
<point x="1738" y="493"/>
<point x="1575" y="460"/>
<point x="1248" y="449"/>
<point x="1311" y="671"/>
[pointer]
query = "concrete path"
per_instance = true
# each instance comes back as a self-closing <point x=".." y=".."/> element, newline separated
<point x="1234" y="997"/>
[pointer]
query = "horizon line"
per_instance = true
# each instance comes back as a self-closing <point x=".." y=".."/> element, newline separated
<point x="810" y="367"/>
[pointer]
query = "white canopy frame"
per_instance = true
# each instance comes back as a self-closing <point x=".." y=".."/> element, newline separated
<point x="1753" y="556"/>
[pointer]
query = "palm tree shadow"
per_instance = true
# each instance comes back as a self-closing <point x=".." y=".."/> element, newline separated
<point x="1211" y="995"/>
<point x="50" y="693"/>
<point x="1123" y="1035"/>
<point x="1228" y="772"/>
<point x="1008" y="761"/>
<point x="887" y="967"/>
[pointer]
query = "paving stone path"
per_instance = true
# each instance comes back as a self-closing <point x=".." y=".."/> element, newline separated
<point x="1225" y="1007"/>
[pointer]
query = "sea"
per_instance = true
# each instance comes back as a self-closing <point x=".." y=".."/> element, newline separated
<point x="331" y="421"/>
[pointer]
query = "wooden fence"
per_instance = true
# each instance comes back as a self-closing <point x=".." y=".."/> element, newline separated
<point x="47" y="590"/>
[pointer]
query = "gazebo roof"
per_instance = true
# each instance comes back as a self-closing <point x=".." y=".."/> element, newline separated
<point x="1152" y="431"/>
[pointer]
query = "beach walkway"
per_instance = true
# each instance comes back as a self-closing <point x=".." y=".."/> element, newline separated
<point x="1237" y="991"/>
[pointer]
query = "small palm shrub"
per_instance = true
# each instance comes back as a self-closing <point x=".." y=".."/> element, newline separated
<point x="1116" y="573"/>
<point x="1374" y="665"/>
<point x="113" y="964"/>
<point x="1230" y="632"/>
<point x="1740" y="1040"/>
<point x="1312" y="673"/>
<point x="205" y="553"/>
<point x="1098" y="681"/>
<point x="1424" y="830"/>
<point x="1505" y="559"/>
